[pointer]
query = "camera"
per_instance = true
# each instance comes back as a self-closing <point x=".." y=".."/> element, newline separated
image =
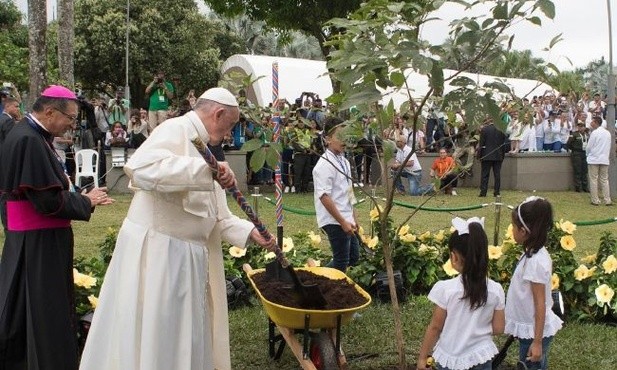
<point x="159" y="80"/>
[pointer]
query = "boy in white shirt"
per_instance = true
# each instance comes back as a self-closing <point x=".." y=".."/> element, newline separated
<point x="334" y="198"/>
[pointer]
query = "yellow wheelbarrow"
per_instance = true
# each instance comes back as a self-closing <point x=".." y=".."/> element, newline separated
<point x="320" y="329"/>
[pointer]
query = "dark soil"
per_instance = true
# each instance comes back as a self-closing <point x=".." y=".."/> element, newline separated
<point x="339" y="294"/>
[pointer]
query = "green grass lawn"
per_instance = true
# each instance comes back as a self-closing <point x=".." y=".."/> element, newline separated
<point x="369" y="340"/>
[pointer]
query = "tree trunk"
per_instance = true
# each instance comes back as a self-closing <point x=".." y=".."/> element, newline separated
<point x="37" y="28"/>
<point x="66" y="35"/>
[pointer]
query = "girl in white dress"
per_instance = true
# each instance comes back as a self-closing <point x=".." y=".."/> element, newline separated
<point x="469" y="308"/>
<point x="529" y="316"/>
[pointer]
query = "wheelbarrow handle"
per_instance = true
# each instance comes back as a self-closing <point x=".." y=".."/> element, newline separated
<point x="207" y="155"/>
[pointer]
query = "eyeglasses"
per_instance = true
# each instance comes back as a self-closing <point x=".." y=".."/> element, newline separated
<point x="69" y="116"/>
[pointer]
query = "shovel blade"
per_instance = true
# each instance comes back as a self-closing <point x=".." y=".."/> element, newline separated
<point x="275" y="271"/>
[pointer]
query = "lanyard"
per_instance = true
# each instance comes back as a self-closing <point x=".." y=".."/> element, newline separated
<point x="341" y="162"/>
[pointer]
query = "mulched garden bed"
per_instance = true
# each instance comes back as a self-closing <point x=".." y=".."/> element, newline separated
<point x="339" y="294"/>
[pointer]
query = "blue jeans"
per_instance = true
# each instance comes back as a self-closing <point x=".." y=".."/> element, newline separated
<point x="555" y="147"/>
<point x="539" y="143"/>
<point x="345" y="247"/>
<point x="523" y="348"/>
<point x="485" y="366"/>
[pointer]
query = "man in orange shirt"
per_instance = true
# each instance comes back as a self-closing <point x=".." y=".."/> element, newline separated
<point x="443" y="169"/>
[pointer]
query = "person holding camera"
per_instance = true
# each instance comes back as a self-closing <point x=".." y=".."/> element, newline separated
<point x="8" y="90"/>
<point x="160" y="92"/>
<point x="119" y="108"/>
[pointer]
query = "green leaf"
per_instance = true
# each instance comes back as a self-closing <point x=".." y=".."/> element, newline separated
<point x="501" y="10"/>
<point x="547" y="7"/>
<point x="397" y="78"/>
<point x="258" y="159"/>
<point x="369" y="95"/>
<point x="462" y="81"/>
<point x="535" y="20"/>
<point x="252" y="145"/>
<point x="553" y="67"/>
<point x="499" y="86"/>
<point x="555" y="40"/>
<point x="272" y="157"/>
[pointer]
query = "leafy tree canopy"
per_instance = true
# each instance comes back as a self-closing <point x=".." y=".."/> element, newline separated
<point x="13" y="45"/>
<point x="169" y="36"/>
<point x="306" y="16"/>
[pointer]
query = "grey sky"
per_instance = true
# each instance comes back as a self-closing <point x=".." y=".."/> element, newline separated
<point x="583" y="24"/>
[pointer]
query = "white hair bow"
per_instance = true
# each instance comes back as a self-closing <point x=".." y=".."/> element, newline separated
<point x="462" y="226"/>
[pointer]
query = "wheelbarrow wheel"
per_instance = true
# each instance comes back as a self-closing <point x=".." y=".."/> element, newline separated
<point x="322" y="352"/>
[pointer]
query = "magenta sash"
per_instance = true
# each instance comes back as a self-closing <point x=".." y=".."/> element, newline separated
<point x="21" y="216"/>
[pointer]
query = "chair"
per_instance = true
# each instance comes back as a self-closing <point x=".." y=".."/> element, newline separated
<point x="86" y="165"/>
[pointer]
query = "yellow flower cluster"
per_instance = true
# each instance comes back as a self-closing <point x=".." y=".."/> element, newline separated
<point x="375" y="212"/>
<point x="83" y="280"/>
<point x="314" y="238"/>
<point x="424" y="249"/>
<point x="403" y="230"/>
<point x="604" y="293"/>
<point x="567" y="226"/>
<point x="237" y="252"/>
<point x="288" y="244"/>
<point x="589" y="259"/>
<point x="408" y="238"/>
<point x="447" y="267"/>
<point x="494" y="252"/>
<point x="583" y="272"/>
<point x="94" y="301"/>
<point x="424" y="237"/>
<point x="567" y="242"/>
<point x="554" y="282"/>
<point x="610" y="264"/>
<point x="439" y="236"/>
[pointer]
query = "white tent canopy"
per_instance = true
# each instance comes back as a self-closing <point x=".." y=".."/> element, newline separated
<point x="302" y="75"/>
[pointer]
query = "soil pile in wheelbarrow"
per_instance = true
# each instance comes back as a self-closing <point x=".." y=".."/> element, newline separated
<point x="339" y="294"/>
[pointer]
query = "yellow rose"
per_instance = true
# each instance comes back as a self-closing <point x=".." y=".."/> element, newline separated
<point x="554" y="282"/>
<point x="237" y="252"/>
<point x="582" y="272"/>
<point x="439" y="236"/>
<point x="94" y="301"/>
<point x="604" y="293"/>
<point x="589" y="259"/>
<point x="494" y="252"/>
<point x="288" y="244"/>
<point x="270" y="255"/>
<point x="372" y="243"/>
<point x="83" y="280"/>
<point x="375" y="212"/>
<point x="567" y="226"/>
<point x="423" y="249"/>
<point x="447" y="267"/>
<point x="452" y="229"/>
<point x="610" y="264"/>
<point x="408" y="238"/>
<point x="425" y="236"/>
<point x="361" y="230"/>
<point x="567" y="242"/>
<point x="509" y="234"/>
<point x="403" y="230"/>
<point x="315" y="239"/>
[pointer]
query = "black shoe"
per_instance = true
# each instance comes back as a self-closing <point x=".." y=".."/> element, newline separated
<point x="482" y="195"/>
<point x="595" y="204"/>
<point x="496" y="194"/>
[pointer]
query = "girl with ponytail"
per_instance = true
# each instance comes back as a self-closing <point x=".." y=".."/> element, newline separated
<point x="469" y="308"/>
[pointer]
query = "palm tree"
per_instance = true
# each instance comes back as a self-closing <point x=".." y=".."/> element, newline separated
<point x="37" y="28"/>
<point x="66" y="35"/>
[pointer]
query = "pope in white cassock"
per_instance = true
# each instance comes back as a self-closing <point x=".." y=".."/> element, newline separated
<point x="163" y="303"/>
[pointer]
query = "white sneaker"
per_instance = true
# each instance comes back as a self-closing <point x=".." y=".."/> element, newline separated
<point x="355" y="185"/>
<point x="454" y="192"/>
<point x="293" y="189"/>
<point x="286" y="189"/>
<point x="361" y="184"/>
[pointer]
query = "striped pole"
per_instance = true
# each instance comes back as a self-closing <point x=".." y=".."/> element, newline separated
<point x="207" y="155"/>
<point x="277" y="174"/>
<point x="275" y="83"/>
